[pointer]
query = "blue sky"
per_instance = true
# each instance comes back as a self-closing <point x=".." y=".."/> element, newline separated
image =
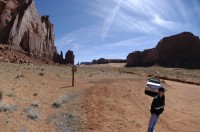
<point x="96" y="29"/>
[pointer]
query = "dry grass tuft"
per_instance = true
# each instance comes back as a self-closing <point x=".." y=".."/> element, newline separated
<point x="32" y="111"/>
<point x="11" y="94"/>
<point x="64" y="99"/>
<point x="5" y="107"/>
<point x="19" y="75"/>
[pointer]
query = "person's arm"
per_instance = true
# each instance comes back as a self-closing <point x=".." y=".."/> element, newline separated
<point x="153" y="106"/>
<point x="161" y="111"/>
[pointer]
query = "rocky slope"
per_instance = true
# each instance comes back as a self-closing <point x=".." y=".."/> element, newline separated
<point x="23" y="28"/>
<point x="181" y="50"/>
<point x="69" y="58"/>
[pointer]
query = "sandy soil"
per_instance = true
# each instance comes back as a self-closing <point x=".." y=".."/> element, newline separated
<point x="103" y="100"/>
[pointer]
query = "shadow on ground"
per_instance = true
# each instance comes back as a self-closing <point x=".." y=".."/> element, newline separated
<point x="66" y="87"/>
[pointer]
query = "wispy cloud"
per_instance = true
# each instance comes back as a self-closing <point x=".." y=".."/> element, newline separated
<point x="109" y="19"/>
<point x="137" y="43"/>
<point x="122" y="26"/>
<point x="118" y="49"/>
<point x="81" y="38"/>
<point x="164" y="23"/>
<point x="66" y="40"/>
<point x="136" y="16"/>
<point x="130" y="23"/>
<point x="196" y="7"/>
<point x="182" y="10"/>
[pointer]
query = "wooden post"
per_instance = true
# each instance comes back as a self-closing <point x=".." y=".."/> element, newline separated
<point x="72" y="78"/>
<point x="1" y="95"/>
<point x="73" y="71"/>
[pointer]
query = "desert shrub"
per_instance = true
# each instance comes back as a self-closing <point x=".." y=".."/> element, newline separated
<point x="64" y="99"/>
<point x="4" y="107"/>
<point x="32" y="111"/>
<point x="41" y="74"/>
<point x="19" y="75"/>
<point x="33" y="115"/>
<point x="11" y="94"/>
<point x="34" y="104"/>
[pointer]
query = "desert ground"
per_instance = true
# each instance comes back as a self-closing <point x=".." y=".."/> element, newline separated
<point x="105" y="98"/>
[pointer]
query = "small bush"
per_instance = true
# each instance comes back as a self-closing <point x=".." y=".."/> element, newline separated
<point x="41" y="74"/>
<point x="32" y="115"/>
<point x="11" y="94"/>
<point x="32" y="111"/>
<point x="64" y="99"/>
<point x="19" y="75"/>
<point x="35" y="104"/>
<point x="4" y="107"/>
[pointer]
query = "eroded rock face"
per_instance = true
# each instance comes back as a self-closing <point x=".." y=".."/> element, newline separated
<point x="146" y="58"/>
<point x="8" y="54"/>
<point x="69" y="57"/>
<point x="181" y="50"/>
<point x="22" y="26"/>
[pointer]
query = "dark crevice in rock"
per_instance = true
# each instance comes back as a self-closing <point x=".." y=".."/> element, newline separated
<point x="25" y="42"/>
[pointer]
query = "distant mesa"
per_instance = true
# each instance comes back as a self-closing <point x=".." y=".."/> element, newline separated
<point x="103" y="61"/>
<point x="24" y="30"/>
<point x="86" y="63"/>
<point x="181" y="50"/>
<point x="106" y="61"/>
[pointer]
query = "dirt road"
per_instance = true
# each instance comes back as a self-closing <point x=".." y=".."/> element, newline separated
<point x="121" y="105"/>
<point x="103" y="100"/>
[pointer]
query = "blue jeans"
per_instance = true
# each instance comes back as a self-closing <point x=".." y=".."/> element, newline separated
<point x="152" y="122"/>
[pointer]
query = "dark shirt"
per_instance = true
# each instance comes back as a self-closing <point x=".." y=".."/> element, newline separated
<point x="157" y="106"/>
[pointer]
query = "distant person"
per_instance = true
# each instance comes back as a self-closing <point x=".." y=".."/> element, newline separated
<point x="157" y="107"/>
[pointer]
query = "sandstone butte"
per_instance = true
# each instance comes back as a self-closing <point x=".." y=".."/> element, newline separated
<point x="181" y="50"/>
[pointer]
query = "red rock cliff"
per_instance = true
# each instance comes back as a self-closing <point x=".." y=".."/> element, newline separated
<point x="22" y="27"/>
<point x="181" y="50"/>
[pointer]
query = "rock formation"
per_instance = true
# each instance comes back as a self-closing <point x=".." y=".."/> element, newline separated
<point x="69" y="57"/>
<point x="100" y="61"/>
<point x="146" y="58"/>
<point x="106" y="61"/>
<point x="181" y="50"/>
<point x="8" y="54"/>
<point x="23" y="28"/>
